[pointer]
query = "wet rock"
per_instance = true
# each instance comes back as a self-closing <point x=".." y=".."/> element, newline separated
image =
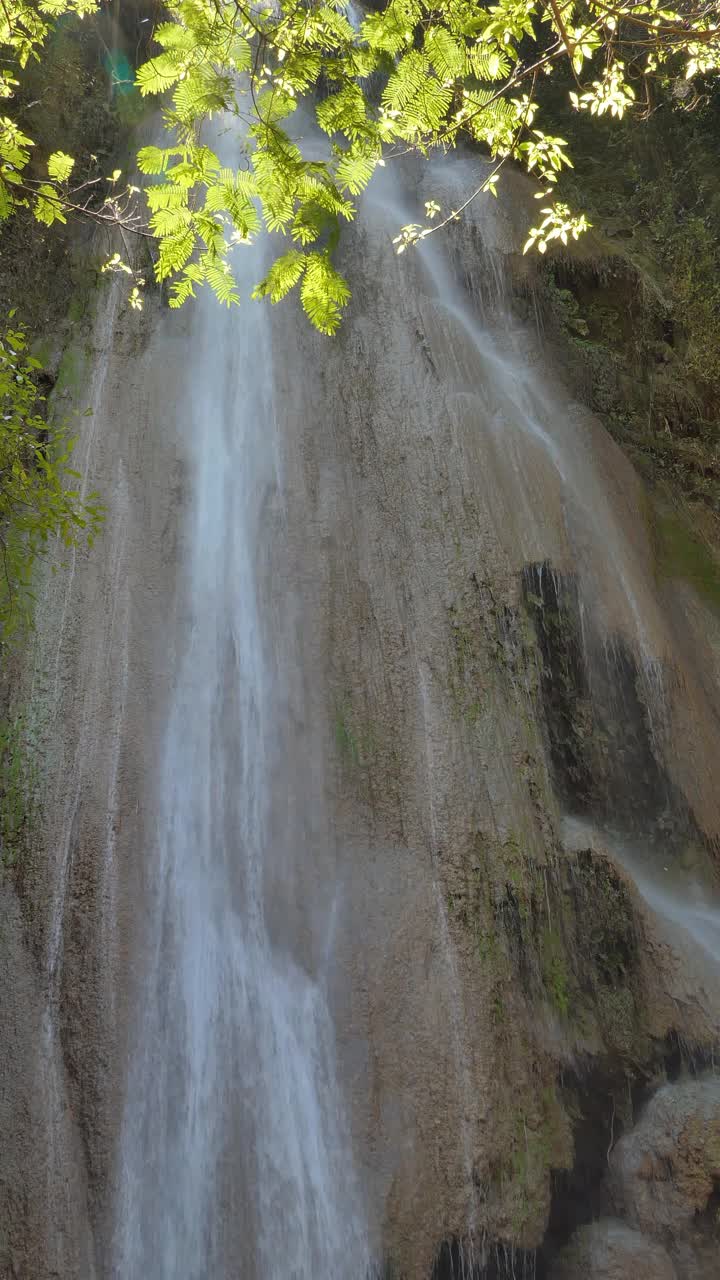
<point x="665" y="1172"/>
<point x="610" y="1250"/>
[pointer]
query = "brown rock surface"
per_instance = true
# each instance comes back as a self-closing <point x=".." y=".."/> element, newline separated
<point x="610" y="1250"/>
<point x="664" y="1171"/>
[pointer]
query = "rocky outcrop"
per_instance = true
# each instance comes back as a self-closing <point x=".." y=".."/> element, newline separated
<point x="665" y="1173"/>
<point x="662" y="1185"/>
<point x="610" y="1250"/>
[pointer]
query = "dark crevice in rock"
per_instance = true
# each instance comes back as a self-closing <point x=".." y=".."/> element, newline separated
<point x="606" y="1102"/>
<point x="603" y="761"/>
<point x="577" y="1192"/>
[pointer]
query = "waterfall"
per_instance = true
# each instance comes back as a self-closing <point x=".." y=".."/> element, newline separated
<point x="235" y="1155"/>
<point x="312" y="735"/>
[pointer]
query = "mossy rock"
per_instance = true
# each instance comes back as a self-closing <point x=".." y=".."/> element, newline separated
<point x="634" y="309"/>
<point x="680" y="553"/>
<point x="617" y="1014"/>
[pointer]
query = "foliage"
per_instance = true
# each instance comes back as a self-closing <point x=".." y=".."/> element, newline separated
<point x="414" y="75"/>
<point x="40" y="498"/>
<point x="18" y="787"/>
<point x="53" y="184"/>
<point x="640" y="309"/>
<point x="411" y="75"/>
<point x="24" y="27"/>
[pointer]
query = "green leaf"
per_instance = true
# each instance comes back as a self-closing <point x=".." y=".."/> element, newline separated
<point x="446" y="54"/>
<point x="407" y="81"/>
<point x="220" y="279"/>
<point x="283" y="275"/>
<point x="60" y="166"/>
<point x="154" y="160"/>
<point x="354" y="170"/>
<point x="175" y="250"/>
<point x="6" y="202"/>
<point x="46" y="208"/>
<point x="323" y="293"/>
<point x="159" y="74"/>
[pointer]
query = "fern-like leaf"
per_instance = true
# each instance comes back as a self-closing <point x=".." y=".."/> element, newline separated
<point x="283" y="275"/>
<point x="159" y="74"/>
<point x="487" y="63"/>
<point x="221" y="281"/>
<point x="175" y="250"/>
<point x="406" y="81"/>
<point x="345" y="112"/>
<point x="354" y="170"/>
<point x="175" y="36"/>
<point x="446" y="55"/>
<point x="323" y="293"/>
<point x="154" y="160"/>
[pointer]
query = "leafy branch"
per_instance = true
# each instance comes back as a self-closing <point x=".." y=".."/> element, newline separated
<point x="40" y="492"/>
<point x="441" y="71"/>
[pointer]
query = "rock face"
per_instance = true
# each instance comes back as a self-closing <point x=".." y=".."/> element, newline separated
<point x="95" y="692"/>
<point x="497" y="740"/>
<point x="663" y="1183"/>
<point x="45" y="1227"/>
<point x="665" y="1173"/>
<point x="610" y="1250"/>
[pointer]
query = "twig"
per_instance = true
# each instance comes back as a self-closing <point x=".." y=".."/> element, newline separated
<point x="612" y="1130"/>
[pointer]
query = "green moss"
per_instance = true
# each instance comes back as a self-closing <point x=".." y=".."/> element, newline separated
<point x="554" y="971"/>
<point x="18" y="789"/>
<point x="345" y="738"/>
<point x="497" y="1010"/>
<point x="466" y="645"/>
<point x="541" y="1140"/>
<point x="42" y="351"/>
<point x="76" y="310"/>
<point x="636" y="308"/>
<point x="356" y="742"/>
<point x="618" y="1018"/>
<point x="680" y="553"/>
<point x="72" y="371"/>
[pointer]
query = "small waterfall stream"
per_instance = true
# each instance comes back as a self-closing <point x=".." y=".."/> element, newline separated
<point x="234" y="1152"/>
<point x="684" y="900"/>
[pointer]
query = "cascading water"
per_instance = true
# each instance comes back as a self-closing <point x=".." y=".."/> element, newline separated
<point x="329" y="745"/>
<point x="676" y="894"/>
<point x="234" y="1153"/>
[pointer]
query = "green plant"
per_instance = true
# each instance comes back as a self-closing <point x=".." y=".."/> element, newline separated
<point x="442" y="71"/>
<point x="681" y="553"/>
<point x="40" y="493"/>
<point x="18" y="789"/>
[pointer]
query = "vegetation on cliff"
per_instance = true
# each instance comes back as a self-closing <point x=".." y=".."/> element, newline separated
<point x="411" y="75"/>
<point x="637" y="310"/>
<point x="38" y="499"/>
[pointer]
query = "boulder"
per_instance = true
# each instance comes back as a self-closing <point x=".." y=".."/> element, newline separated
<point x="610" y="1250"/>
<point x="664" y="1171"/>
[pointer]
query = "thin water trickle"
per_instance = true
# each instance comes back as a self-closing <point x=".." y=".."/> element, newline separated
<point x="493" y="373"/>
<point x="678" y="896"/>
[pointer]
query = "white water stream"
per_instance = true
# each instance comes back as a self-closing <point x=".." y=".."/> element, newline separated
<point x="235" y="1142"/>
<point x="680" y="897"/>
